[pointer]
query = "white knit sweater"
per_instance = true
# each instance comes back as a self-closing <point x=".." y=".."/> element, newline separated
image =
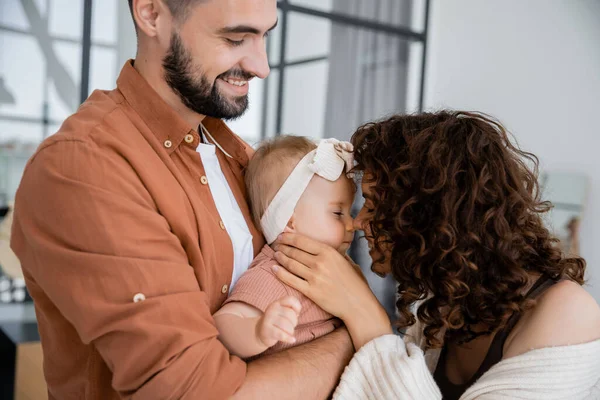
<point x="387" y="368"/>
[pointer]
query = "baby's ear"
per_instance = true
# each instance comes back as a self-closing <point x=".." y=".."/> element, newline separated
<point x="291" y="226"/>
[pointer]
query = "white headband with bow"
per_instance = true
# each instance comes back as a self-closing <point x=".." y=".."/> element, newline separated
<point x="328" y="160"/>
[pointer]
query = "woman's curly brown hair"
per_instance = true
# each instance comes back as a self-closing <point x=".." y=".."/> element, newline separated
<point x="460" y="209"/>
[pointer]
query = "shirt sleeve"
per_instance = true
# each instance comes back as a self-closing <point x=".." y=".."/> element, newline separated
<point x="258" y="288"/>
<point x="91" y="237"/>
<point x="386" y="368"/>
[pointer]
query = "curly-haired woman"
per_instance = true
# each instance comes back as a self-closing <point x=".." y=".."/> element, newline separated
<point x="493" y="309"/>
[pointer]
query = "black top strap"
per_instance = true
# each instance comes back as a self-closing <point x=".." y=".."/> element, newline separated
<point x="495" y="353"/>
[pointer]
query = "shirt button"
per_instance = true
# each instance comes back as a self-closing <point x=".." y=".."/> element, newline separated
<point x="203" y="180"/>
<point x="224" y="289"/>
<point x="189" y="138"/>
<point x="139" y="297"/>
<point x="221" y="224"/>
<point x="168" y="144"/>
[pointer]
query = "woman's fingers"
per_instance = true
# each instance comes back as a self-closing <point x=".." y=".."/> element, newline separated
<point x="301" y="242"/>
<point x="291" y="280"/>
<point x="296" y="254"/>
<point x="292" y="265"/>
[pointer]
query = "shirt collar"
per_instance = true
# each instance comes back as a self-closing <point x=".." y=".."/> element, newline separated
<point x="165" y="123"/>
<point x="268" y="252"/>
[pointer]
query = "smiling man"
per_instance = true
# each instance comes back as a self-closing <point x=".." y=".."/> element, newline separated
<point x="131" y="222"/>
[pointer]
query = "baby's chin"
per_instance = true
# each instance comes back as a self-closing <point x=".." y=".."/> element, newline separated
<point x="343" y="248"/>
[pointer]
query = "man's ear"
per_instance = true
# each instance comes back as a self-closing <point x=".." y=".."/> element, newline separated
<point x="148" y="14"/>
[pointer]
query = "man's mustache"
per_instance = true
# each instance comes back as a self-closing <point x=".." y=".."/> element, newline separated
<point x="237" y="74"/>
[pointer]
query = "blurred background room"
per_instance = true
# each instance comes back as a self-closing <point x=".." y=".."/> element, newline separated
<point x="335" y="64"/>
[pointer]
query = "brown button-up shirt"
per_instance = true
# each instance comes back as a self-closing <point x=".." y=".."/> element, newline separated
<point x="122" y="250"/>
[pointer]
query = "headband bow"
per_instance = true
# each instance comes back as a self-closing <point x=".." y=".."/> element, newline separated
<point x="328" y="160"/>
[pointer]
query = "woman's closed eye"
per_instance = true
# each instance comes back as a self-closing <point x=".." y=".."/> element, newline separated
<point x="368" y="210"/>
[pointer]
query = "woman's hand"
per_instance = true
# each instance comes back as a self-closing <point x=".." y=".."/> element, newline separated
<point x="332" y="282"/>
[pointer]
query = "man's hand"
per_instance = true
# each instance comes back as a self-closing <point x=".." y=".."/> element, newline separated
<point x="279" y="321"/>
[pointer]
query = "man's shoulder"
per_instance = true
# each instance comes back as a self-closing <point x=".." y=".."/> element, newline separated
<point x="101" y="112"/>
<point x="95" y="144"/>
<point x="97" y="124"/>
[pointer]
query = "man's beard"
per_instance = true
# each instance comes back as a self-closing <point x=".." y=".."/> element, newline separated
<point x="197" y="93"/>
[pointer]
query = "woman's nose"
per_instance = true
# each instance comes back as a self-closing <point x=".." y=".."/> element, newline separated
<point x="357" y="223"/>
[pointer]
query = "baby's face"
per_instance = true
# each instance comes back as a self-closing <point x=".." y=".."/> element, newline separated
<point x="323" y="212"/>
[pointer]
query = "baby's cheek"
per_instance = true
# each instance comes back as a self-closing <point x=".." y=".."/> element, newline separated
<point x="335" y="234"/>
<point x="315" y="228"/>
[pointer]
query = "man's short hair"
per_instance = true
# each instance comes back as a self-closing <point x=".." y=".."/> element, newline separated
<point x="179" y="8"/>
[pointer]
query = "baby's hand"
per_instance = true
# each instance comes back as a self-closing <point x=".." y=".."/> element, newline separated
<point x="279" y="321"/>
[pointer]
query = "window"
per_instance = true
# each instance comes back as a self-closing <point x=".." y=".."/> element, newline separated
<point x="44" y="66"/>
<point x="335" y="64"/>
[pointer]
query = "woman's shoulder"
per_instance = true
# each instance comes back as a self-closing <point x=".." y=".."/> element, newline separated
<point x="565" y="314"/>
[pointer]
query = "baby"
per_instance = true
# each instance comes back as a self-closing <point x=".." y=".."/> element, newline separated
<point x="293" y="186"/>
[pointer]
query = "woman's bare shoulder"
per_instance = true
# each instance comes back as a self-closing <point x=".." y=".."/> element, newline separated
<point x="565" y="314"/>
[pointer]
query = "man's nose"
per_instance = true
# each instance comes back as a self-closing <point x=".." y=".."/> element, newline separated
<point x="256" y="61"/>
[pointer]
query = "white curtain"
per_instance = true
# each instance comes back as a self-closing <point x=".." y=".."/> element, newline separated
<point x="367" y="81"/>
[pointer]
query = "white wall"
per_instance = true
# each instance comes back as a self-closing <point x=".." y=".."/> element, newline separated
<point x="535" y="65"/>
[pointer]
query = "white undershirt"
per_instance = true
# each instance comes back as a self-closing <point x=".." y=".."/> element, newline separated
<point x="229" y="211"/>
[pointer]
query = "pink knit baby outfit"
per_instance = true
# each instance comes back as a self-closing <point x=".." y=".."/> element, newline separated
<point x="259" y="287"/>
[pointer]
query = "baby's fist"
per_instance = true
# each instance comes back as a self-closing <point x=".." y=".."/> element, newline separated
<point x="279" y="321"/>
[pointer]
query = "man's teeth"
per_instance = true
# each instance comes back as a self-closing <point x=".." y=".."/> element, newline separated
<point x="236" y="83"/>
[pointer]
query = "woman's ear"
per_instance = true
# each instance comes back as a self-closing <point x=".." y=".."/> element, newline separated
<point x="291" y="225"/>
